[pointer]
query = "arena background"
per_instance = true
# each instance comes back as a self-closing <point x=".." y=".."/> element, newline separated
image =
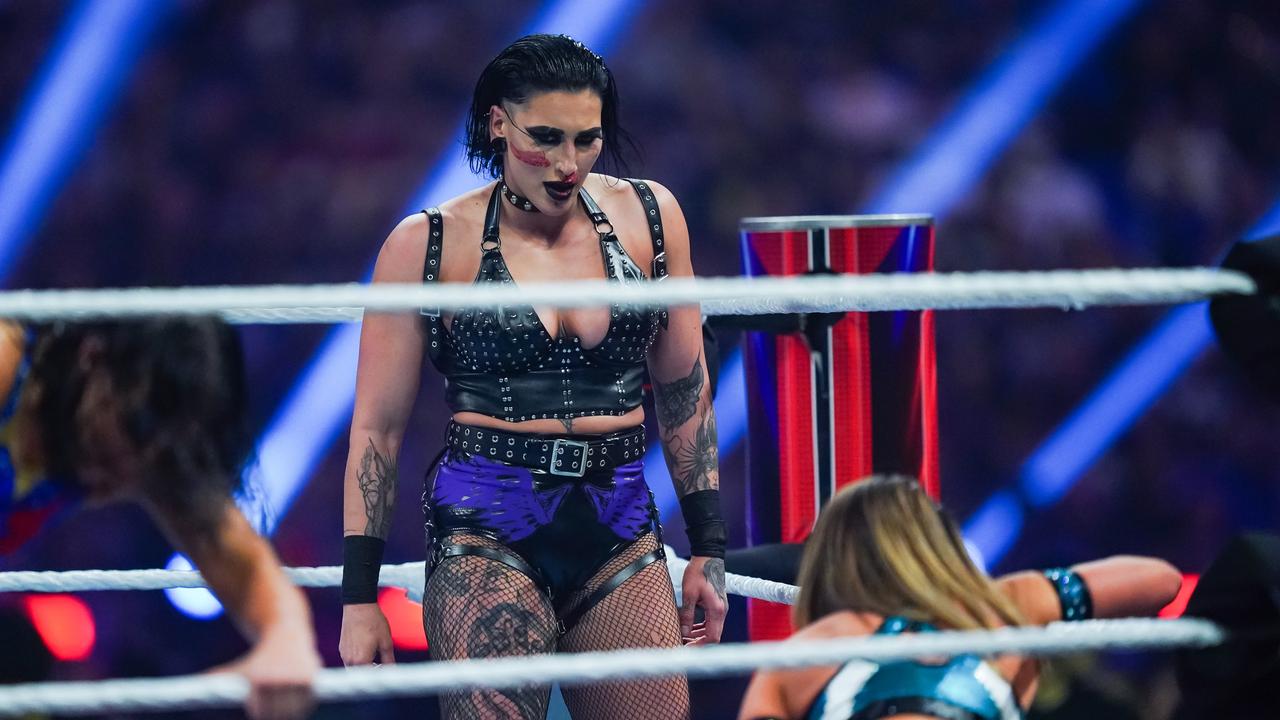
<point x="278" y="142"/>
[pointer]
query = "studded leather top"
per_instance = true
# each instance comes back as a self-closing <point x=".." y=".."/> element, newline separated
<point x="965" y="687"/>
<point x="506" y="364"/>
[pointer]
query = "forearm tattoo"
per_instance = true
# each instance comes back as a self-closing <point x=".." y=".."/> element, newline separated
<point x="694" y="462"/>
<point x="377" y="479"/>
<point x="567" y="423"/>
<point x="677" y="400"/>
<point x="713" y="571"/>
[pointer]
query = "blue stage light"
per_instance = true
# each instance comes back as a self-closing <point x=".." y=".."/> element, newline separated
<point x="995" y="526"/>
<point x="999" y="105"/>
<point x="197" y="603"/>
<point x="78" y="82"/>
<point x="1128" y="391"/>
<point x="1112" y="408"/>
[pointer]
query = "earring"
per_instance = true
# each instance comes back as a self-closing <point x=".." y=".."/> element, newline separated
<point x="499" y="145"/>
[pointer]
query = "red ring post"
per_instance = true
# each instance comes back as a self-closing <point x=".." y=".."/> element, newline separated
<point x="834" y="398"/>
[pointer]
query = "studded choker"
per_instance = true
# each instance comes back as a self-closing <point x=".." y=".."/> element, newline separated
<point x="521" y="203"/>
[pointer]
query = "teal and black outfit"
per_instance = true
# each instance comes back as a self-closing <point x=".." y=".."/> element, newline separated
<point x="964" y="688"/>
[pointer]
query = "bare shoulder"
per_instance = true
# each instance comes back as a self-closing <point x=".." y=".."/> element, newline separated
<point x="667" y="203"/>
<point x="462" y="218"/>
<point x="790" y="691"/>
<point x="403" y="252"/>
<point x="607" y="187"/>
<point x="467" y="208"/>
<point x="844" y="623"/>
<point x="616" y="197"/>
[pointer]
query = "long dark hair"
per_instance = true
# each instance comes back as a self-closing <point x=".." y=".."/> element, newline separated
<point x="542" y="63"/>
<point x="177" y="390"/>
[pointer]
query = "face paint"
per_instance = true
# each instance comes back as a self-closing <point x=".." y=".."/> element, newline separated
<point x="531" y="158"/>
<point x="573" y="177"/>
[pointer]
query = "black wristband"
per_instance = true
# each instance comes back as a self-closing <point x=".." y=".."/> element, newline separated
<point x="703" y="523"/>
<point x="361" y="561"/>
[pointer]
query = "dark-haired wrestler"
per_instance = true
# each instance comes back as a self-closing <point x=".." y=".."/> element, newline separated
<point x="544" y="535"/>
<point x="152" y="411"/>
<point x="884" y="559"/>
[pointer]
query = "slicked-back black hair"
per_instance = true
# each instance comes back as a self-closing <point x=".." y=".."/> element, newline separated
<point x="542" y="63"/>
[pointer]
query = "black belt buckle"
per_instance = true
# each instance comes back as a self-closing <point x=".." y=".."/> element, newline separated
<point x="577" y="460"/>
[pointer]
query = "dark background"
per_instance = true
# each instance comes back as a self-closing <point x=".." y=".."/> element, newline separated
<point x="277" y="142"/>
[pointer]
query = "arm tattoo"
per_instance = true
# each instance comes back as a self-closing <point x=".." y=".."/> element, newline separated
<point x="695" y="463"/>
<point x="567" y="423"/>
<point x="677" y="400"/>
<point x="713" y="571"/>
<point x="377" y="480"/>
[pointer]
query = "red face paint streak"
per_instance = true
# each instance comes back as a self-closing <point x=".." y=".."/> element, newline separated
<point x="572" y="178"/>
<point x="532" y="159"/>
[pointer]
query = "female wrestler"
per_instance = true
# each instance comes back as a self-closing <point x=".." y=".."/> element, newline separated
<point x="883" y="559"/>
<point x="152" y="411"/>
<point x="543" y="532"/>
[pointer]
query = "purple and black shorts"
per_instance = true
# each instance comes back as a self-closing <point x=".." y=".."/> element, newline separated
<point x="558" y="530"/>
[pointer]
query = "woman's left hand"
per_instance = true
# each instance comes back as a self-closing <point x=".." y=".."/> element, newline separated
<point x="280" y="669"/>
<point x="703" y="586"/>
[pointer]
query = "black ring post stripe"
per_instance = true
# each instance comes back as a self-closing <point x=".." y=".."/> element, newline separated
<point x="820" y="353"/>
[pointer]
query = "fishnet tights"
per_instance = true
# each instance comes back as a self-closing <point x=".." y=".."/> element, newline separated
<point x="476" y="607"/>
<point x="640" y="613"/>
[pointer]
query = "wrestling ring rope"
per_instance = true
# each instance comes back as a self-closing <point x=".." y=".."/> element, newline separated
<point x="227" y="690"/>
<point x="203" y="691"/>
<point x="718" y="296"/>
<point x="409" y="576"/>
<point x="1065" y="289"/>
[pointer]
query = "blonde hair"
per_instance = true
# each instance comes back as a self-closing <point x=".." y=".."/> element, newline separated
<point x="882" y="546"/>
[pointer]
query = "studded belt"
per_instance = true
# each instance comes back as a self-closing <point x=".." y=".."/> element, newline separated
<point x="567" y="456"/>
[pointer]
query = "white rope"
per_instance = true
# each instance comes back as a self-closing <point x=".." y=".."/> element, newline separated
<point x="429" y="678"/>
<point x="1067" y="289"/>
<point x="408" y="575"/>
<point x="741" y="585"/>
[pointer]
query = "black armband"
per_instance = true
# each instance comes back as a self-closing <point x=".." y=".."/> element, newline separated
<point x="1073" y="594"/>
<point x="703" y="523"/>
<point x="361" y="561"/>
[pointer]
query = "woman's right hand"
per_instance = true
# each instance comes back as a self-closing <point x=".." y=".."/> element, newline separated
<point x="366" y="636"/>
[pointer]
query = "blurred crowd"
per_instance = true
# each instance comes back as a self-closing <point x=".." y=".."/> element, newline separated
<point x="274" y="141"/>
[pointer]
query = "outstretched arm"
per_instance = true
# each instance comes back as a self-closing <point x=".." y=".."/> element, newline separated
<point x="1119" y="586"/>
<point x="243" y="571"/>
<point x="687" y="428"/>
